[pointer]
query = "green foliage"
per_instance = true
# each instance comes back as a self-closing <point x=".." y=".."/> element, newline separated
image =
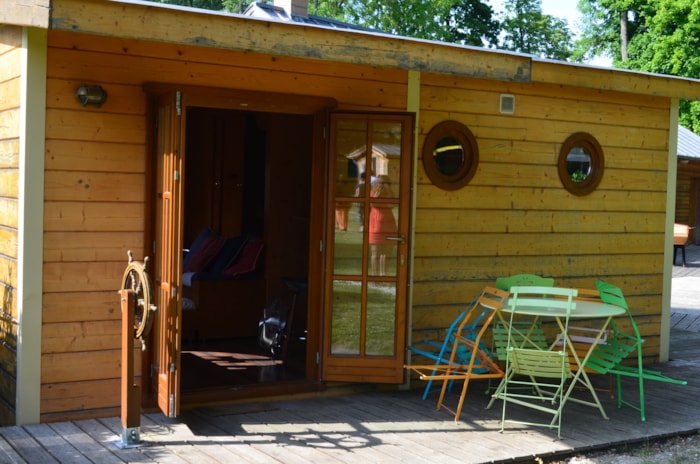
<point x="235" y="6"/>
<point x="466" y="22"/>
<point x="527" y="30"/>
<point x="670" y="42"/>
<point x="334" y="9"/>
<point x="663" y="36"/>
<point x="454" y="21"/>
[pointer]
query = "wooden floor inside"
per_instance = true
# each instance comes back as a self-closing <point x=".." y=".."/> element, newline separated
<point x="235" y="363"/>
<point x="367" y="426"/>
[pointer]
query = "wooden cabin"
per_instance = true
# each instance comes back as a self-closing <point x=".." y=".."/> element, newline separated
<point x="128" y="125"/>
<point x="688" y="182"/>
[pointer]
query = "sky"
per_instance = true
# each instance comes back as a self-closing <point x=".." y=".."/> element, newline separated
<point x="564" y="9"/>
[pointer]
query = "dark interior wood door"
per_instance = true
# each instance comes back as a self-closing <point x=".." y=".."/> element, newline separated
<point x="215" y="169"/>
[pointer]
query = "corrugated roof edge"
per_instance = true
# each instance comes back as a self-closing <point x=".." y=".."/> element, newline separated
<point x="688" y="143"/>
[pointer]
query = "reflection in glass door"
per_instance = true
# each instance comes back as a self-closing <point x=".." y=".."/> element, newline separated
<point x="366" y="288"/>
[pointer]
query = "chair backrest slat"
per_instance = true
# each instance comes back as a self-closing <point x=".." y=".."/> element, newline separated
<point x="519" y="280"/>
<point x="542" y="297"/>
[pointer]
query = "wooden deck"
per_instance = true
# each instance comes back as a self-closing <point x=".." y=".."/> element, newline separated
<point x="373" y="427"/>
<point x="368" y="427"/>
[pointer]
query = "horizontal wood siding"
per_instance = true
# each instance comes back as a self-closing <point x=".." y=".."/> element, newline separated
<point x="516" y="217"/>
<point x="10" y="75"/>
<point x="96" y="194"/>
<point x="686" y="202"/>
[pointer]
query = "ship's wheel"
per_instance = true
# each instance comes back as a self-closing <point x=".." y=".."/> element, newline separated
<point x="136" y="279"/>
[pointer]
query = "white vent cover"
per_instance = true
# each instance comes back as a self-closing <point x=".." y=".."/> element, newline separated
<point x="507" y="103"/>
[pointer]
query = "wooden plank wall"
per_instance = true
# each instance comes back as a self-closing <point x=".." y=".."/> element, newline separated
<point x="515" y="216"/>
<point x="10" y="74"/>
<point x="96" y="187"/>
<point x="686" y="203"/>
<point x="683" y="184"/>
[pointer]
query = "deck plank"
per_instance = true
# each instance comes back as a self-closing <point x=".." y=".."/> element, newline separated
<point x="56" y="444"/>
<point x="91" y="449"/>
<point x="388" y="427"/>
<point x="8" y="453"/>
<point x="26" y="446"/>
<point x="95" y="430"/>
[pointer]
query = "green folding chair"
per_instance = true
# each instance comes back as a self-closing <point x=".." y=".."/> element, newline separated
<point x="607" y="358"/>
<point x="524" y="327"/>
<point x="543" y="372"/>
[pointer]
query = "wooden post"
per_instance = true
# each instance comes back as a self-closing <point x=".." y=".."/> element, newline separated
<point x="131" y="397"/>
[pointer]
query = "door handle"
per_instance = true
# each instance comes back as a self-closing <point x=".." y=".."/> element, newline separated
<point x="396" y="238"/>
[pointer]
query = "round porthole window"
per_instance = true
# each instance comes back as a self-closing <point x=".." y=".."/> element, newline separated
<point x="450" y="155"/>
<point x="580" y="163"/>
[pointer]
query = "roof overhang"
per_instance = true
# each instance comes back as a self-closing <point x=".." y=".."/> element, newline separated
<point x="167" y="23"/>
<point x="157" y="22"/>
<point x="31" y="13"/>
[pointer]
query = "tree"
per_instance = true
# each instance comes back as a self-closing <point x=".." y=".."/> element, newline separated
<point x="608" y="26"/>
<point x="527" y="30"/>
<point x="454" y="21"/>
<point x="235" y="6"/>
<point x="467" y="22"/>
<point x="334" y="9"/>
<point x="663" y="36"/>
<point x="410" y="18"/>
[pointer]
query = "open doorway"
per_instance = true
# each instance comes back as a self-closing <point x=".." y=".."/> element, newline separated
<point x="247" y="179"/>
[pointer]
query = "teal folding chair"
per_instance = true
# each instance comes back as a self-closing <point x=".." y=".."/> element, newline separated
<point x="608" y="358"/>
<point x="441" y="353"/>
<point x="468" y="360"/>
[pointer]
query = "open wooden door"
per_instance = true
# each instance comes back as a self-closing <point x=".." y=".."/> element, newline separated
<point x="367" y="248"/>
<point x="167" y="253"/>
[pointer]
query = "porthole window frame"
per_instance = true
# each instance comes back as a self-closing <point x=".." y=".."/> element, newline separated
<point x="595" y="151"/>
<point x="462" y="134"/>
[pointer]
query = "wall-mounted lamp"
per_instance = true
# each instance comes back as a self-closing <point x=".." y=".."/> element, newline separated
<point x="91" y="95"/>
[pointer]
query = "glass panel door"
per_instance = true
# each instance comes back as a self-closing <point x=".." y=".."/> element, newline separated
<point x="366" y="288"/>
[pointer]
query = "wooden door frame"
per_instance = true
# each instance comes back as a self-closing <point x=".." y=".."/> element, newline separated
<point x="256" y="102"/>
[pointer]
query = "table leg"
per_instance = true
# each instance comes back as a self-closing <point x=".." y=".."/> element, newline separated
<point x="581" y="375"/>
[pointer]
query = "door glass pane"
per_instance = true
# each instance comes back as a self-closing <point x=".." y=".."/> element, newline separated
<point x="383" y="216"/>
<point x="381" y="319"/>
<point x="346" y="316"/>
<point x="386" y="154"/>
<point x="350" y="159"/>
<point x="382" y="235"/>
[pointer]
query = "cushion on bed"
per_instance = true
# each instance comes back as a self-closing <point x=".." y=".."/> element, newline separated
<point x="249" y="259"/>
<point x="204" y="254"/>
<point x="228" y="254"/>
<point x="203" y="235"/>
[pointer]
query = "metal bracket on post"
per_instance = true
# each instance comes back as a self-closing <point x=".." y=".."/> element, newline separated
<point x="130" y="392"/>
